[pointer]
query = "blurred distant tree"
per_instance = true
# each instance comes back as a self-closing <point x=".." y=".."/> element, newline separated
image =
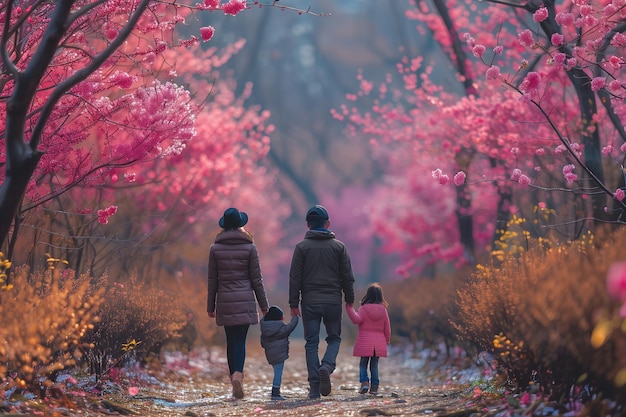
<point x="301" y="68"/>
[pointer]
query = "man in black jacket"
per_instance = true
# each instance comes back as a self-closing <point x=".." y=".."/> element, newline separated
<point x="321" y="272"/>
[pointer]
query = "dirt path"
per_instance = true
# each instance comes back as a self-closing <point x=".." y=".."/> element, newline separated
<point x="197" y="386"/>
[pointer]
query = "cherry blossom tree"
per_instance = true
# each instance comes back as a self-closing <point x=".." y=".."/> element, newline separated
<point x="541" y="112"/>
<point x="82" y="99"/>
<point x="159" y="169"/>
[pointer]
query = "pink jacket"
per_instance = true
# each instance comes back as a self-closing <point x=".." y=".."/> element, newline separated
<point x="374" y="330"/>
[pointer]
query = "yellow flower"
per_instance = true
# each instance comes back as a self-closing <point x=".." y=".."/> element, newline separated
<point x="130" y="345"/>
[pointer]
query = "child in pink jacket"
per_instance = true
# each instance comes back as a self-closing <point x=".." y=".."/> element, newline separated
<point x="373" y="336"/>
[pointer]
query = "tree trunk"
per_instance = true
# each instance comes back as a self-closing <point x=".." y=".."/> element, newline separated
<point x="13" y="189"/>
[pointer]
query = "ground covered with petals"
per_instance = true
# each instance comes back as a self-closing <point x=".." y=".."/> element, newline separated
<point x="412" y="383"/>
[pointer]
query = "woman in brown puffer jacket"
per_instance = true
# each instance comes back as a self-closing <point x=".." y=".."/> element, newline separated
<point x="235" y="288"/>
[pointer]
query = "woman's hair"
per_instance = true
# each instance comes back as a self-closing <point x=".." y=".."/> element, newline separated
<point x="242" y="229"/>
<point x="374" y="295"/>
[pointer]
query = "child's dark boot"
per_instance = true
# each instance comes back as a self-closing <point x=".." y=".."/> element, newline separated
<point x="276" y="394"/>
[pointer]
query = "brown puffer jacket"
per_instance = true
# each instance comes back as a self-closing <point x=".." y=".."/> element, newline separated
<point x="235" y="279"/>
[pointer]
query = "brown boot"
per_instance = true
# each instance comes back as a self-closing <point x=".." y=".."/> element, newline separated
<point x="237" y="378"/>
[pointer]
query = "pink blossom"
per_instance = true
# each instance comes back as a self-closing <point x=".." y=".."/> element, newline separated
<point x="498" y="50"/>
<point x="616" y="283"/>
<point x="560" y="149"/>
<point x="459" y="178"/>
<point x="598" y="83"/>
<point x="526" y="38"/>
<point x="560" y="58"/>
<point x="103" y="215"/>
<point x="212" y="4"/>
<point x="618" y="40"/>
<point x="565" y="19"/>
<point x="531" y="83"/>
<point x="540" y="151"/>
<point x="440" y="176"/>
<point x="586" y="10"/>
<point x="615" y="86"/>
<point x="533" y="80"/>
<point x="609" y="9"/>
<point x="607" y="150"/>
<point x="515" y="150"/>
<point x="133" y="391"/>
<point x="568" y="173"/>
<point x="616" y="62"/>
<point x="557" y="39"/>
<point x="516" y="174"/>
<point x="110" y="33"/>
<point x="570" y="177"/>
<point x="619" y="194"/>
<point x="568" y="168"/>
<point x="525" y="399"/>
<point x="234" y="6"/>
<point x="123" y="79"/>
<point x="493" y="73"/>
<point x="524" y="180"/>
<point x="541" y="14"/>
<point x="469" y="40"/>
<point x="478" y="50"/>
<point x="207" y="33"/>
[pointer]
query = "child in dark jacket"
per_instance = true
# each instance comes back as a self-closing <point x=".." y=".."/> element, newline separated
<point x="275" y="340"/>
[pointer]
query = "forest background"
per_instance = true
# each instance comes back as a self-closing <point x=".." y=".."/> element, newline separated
<point x="470" y="156"/>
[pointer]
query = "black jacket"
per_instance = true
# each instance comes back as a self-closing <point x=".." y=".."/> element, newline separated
<point x="320" y="271"/>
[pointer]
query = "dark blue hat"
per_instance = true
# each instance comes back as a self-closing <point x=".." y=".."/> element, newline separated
<point x="316" y="213"/>
<point x="233" y="219"/>
<point x="274" y="313"/>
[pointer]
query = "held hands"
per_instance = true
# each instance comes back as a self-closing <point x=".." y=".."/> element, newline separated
<point x="295" y="312"/>
<point x="212" y="314"/>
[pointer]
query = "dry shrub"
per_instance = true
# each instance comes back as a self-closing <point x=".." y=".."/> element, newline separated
<point x="421" y="308"/>
<point x="45" y="317"/>
<point x="134" y="318"/>
<point x="536" y="313"/>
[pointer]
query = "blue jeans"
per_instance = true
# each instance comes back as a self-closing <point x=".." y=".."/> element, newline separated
<point x="373" y="363"/>
<point x="278" y="374"/>
<point x="312" y="317"/>
<point x="236" y="347"/>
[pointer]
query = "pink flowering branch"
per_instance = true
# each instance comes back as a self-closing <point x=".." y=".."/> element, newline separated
<point x="566" y="143"/>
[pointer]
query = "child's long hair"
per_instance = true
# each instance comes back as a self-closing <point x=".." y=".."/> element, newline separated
<point x="374" y="295"/>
